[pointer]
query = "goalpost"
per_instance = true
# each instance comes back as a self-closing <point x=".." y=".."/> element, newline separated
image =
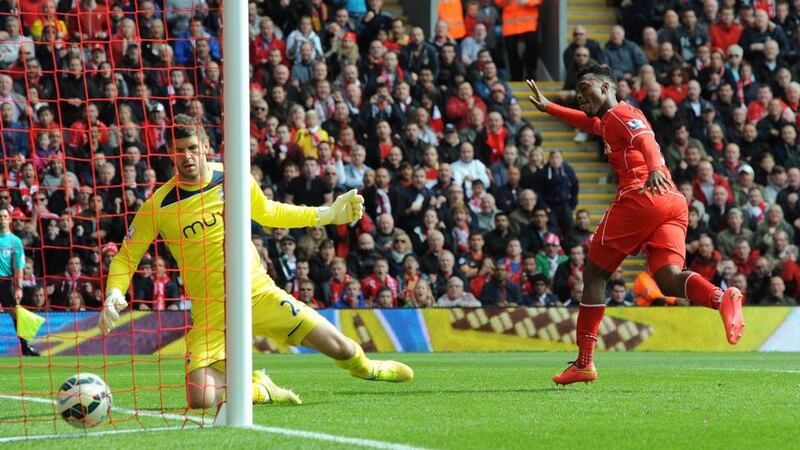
<point x="238" y="311"/>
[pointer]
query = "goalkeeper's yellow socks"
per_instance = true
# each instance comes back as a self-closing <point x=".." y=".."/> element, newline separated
<point x="360" y="366"/>
<point x="266" y="391"/>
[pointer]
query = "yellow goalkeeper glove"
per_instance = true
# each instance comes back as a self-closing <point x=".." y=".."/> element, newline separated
<point x="347" y="208"/>
<point x="115" y="302"/>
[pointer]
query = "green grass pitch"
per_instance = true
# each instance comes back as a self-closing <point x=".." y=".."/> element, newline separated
<point x="456" y="401"/>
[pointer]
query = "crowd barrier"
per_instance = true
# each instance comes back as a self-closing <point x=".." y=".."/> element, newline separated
<point x="437" y="330"/>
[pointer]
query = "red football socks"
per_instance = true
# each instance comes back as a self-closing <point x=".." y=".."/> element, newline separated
<point x="700" y="292"/>
<point x="589" y="318"/>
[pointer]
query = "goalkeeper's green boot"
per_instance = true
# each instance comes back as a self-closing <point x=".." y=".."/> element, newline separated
<point x="266" y="391"/>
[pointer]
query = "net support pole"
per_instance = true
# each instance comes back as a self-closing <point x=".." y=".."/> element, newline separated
<point x="238" y="311"/>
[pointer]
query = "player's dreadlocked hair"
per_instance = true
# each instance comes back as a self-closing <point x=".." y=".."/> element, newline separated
<point x="602" y="72"/>
<point x="186" y="126"/>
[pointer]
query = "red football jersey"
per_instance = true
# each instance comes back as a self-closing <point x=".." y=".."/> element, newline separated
<point x="630" y="143"/>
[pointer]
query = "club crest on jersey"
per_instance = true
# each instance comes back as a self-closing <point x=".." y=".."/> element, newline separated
<point x="131" y="232"/>
<point x="635" y="124"/>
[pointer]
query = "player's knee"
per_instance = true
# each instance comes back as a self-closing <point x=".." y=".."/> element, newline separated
<point x="666" y="278"/>
<point x="201" y="398"/>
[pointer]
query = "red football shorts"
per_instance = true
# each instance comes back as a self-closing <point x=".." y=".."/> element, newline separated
<point x="655" y="224"/>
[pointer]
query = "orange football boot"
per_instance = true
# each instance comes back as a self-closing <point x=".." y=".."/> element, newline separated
<point x="730" y="309"/>
<point x="575" y="374"/>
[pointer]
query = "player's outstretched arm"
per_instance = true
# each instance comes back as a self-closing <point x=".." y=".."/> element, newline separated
<point x="573" y="117"/>
<point x="346" y="208"/>
<point x="140" y="234"/>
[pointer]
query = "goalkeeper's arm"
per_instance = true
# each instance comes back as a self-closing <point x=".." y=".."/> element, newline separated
<point x="346" y="208"/>
<point x="140" y="234"/>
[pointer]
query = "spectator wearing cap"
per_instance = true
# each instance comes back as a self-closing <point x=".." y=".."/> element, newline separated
<point x="745" y="182"/>
<point x="343" y="53"/>
<point x="548" y="259"/>
<point x="735" y="229"/>
<point x="456" y="297"/>
<point x="539" y="295"/>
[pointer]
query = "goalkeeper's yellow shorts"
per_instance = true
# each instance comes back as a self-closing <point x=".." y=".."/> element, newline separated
<point x="276" y="315"/>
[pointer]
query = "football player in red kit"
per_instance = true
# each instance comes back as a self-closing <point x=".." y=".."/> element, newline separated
<point x="648" y="214"/>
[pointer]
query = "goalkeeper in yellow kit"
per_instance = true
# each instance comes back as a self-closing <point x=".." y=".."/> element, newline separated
<point x="187" y="213"/>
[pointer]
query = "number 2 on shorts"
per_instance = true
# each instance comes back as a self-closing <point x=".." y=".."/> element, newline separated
<point x="291" y="307"/>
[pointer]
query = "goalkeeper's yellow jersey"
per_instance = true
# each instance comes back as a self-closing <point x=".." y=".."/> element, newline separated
<point x="190" y="221"/>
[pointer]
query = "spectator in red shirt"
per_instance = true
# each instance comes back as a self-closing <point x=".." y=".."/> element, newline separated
<point x="89" y="21"/>
<point x="706" y="260"/>
<point x="458" y="106"/>
<point x="379" y="279"/>
<point x="497" y="137"/>
<point x="725" y="32"/>
<point x="703" y="185"/>
<point x="265" y="42"/>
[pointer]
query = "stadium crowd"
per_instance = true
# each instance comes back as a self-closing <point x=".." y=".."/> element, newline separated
<point x="463" y="207"/>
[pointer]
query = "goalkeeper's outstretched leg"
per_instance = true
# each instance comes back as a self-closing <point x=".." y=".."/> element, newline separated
<point x="350" y="356"/>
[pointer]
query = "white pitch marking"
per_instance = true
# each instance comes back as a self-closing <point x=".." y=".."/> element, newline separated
<point x="36" y="437"/>
<point x="368" y="443"/>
